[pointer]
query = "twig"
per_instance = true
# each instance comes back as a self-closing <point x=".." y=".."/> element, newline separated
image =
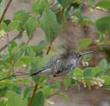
<point x="33" y="95"/>
<point x="5" y="10"/>
<point x="49" y="48"/>
<point x="6" y="45"/>
<point x="8" y="77"/>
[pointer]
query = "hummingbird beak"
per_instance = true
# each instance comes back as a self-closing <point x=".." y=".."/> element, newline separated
<point x="86" y="53"/>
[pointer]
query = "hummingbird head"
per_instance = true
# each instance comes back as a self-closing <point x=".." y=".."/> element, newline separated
<point x="82" y="54"/>
<point x="76" y="57"/>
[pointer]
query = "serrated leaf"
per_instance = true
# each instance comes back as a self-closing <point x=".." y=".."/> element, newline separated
<point x="39" y="99"/>
<point x="104" y="4"/>
<point x="49" y="24"/>
<point x="84" y="43"/>
<point x="31" y="25"/>
<point x="103" y="24"/>
<point x="40" y="5"/>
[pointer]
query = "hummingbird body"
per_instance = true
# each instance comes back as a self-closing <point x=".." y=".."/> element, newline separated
<point x="62" y="65"/>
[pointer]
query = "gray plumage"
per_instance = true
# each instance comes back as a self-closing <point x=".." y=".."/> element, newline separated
<point x="58" y="66"/>
<point x="63" y="64"/>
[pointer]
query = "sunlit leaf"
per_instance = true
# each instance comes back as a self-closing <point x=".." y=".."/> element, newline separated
<point x="2" y="33"/>
<point x="78" y="73"/>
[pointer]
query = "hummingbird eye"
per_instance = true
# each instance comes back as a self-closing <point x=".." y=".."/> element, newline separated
<point x="79" y="55"/>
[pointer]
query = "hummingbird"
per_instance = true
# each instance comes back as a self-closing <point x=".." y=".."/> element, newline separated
<point x="61" y="65"/>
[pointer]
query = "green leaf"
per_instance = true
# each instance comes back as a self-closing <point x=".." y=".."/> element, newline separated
<point x="104" y="4"/>
<point x="78" y="73"/>
<point x="48" y="91"/>
<point x="17" y="54"/>
<point x="4" y="25"/>
<point x="106" y="80"/>
<point x="11" y="47"/>
<point x="103" y="65"/>
<point x="84" y="43"/>
<point x="29" y="51"/>
<point x="1" y="1"/>
<point x="21" y="15"/>
<point x="2" y="6"/>
<point x="2" y="103"/>
<point x="95" y="71"/>
<point x="40" y="5"/>
<point x="103" y="24"/>
<point x="39" y="99"/>
<point x="13" y="99"/>
<point x="27" y="92"/>
<point x="88" y="73"/>
<point x="31" y="25"/>
<point x="67" y="83"/>
<point x="39" y="48"/>
<point x="20" y="18"/>
<point x="26" y="60"/>
<point x="49" y="24"/>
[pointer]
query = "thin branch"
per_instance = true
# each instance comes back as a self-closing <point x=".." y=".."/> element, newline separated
<point x="49" y="48"/>
<point x="6" y="45"/>
<point x="5" y="10"/>
<point x="33" y="94"/>
<point x="8" y="77"/>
